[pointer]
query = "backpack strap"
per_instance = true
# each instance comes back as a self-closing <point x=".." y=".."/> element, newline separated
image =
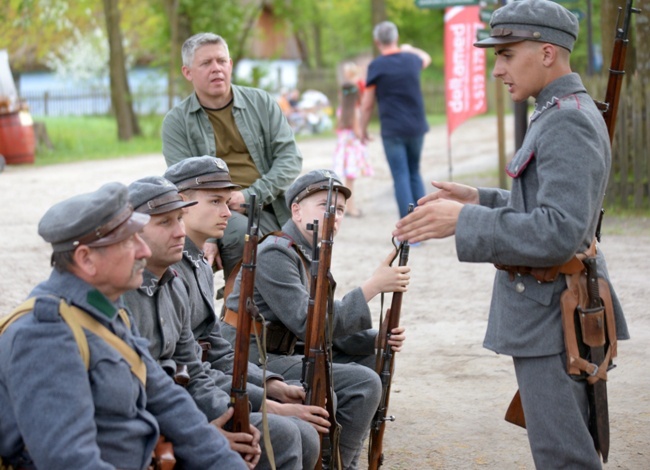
<point x="87" y="322"/>
<point x="78" y="320"/>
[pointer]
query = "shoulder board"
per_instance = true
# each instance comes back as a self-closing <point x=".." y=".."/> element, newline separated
<point x="569" y="102"/>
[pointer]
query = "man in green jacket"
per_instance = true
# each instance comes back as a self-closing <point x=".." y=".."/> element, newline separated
<point x="243" y="126"/>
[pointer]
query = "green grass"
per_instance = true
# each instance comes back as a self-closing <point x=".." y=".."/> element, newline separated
<point x="95" y="138"/>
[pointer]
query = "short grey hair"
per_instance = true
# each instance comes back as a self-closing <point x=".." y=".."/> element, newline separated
<point x="385" y="33"/>
<point x="201" y="39"/>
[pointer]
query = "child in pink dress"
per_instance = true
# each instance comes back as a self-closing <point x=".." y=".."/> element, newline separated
<point x="351" y="155"/>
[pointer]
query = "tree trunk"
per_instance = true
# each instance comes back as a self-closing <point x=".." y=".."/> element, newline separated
<point x="127" y="121"/>
<point x="643" y="37"/>
<point x="378" y="9"/>
<point x="171" y="6"/>
<point x="609" y="14"/>
<point x="303" y="49"/>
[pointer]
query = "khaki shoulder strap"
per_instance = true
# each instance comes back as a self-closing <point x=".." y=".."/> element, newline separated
<point x="26" y="307"/>
<point x="77" y="320"/>
<point x="82" y="319"/>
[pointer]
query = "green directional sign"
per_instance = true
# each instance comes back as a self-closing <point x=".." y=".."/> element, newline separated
<point x="578" y="13"/>
<point x="482" y="34"/>
<point x="445" y="3"/>
<point x="485" y="15"/>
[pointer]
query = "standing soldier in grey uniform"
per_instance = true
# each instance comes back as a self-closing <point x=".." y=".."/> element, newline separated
<point x="162" y="311"/>
<point x="558" y="183"/>
<point x="282" y="284"/>
<point x="58" y="412"/>
<point x="243" y="126"/>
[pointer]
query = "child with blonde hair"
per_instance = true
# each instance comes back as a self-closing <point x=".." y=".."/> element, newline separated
<point x="350" y="155"/>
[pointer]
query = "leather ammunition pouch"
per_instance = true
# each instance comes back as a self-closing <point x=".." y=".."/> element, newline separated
<point x="279" y="339"/>
<point x="182" y="376"/>
<point x="205" y="347"/>
<point x="163" y="456"/>
<point x="585" y="328"/>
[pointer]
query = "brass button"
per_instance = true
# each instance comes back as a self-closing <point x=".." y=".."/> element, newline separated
<point x="520" y="287"/>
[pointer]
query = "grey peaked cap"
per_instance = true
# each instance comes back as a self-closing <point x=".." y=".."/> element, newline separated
<point x="313" y="182"/>
<point x="532" y="20"/>
<point x="155" y="195"/>
<point x="101" y="218"/>
<point x="204" y="172"/>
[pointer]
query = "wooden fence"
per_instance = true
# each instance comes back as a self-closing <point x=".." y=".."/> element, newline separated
<point x="629" y="182"/>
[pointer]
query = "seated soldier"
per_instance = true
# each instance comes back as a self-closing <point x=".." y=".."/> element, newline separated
<point x="74" y="400"/>
<point x="282" y="288"/>
<point x="161" y="309"/>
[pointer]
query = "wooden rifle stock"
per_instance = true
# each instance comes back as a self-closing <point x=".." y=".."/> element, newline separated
<point x="515" y="413"/>
<point x="385" y="367"/>
<point x="240" y="421"/>
<point x="617" y="70"/>
<point x="316" y="373"/>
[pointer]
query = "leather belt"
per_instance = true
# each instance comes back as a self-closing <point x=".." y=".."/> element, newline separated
<point x="574" y="265"/>
<point x="231" y="318"/>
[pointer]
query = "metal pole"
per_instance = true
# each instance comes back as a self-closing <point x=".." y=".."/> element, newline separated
<point x="590" y="42"/>
<point x="521" y="123"/>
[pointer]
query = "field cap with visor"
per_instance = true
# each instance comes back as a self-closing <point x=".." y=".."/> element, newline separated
<point x="532" y="20"/>
<point x="96" y="219"/>
<point x="313" y="182"/>
<point x="200" y="173"/>
<point x="155" y="195"/>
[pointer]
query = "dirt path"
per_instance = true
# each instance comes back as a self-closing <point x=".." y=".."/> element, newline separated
<point x="449" y="394"/>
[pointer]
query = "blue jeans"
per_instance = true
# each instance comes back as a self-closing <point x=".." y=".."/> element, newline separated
<point x="403" y="155"/>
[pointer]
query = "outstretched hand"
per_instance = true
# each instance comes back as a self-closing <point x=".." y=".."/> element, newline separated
<point x="453" y="192"/>
<point x="437" y="213"/>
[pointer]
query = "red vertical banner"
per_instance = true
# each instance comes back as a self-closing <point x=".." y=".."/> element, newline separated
<point x="464" y="66"/>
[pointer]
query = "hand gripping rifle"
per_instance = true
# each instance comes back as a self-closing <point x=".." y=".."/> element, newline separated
<point x="246" y="312"/>
<point x="385" y="367"/>
<point x="317" y="368"/>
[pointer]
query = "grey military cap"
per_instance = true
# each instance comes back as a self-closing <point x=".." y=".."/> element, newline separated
<point x="156" y="195"/>
<point x="100" y="218"/>
<point x="532" y="20"/>
<point x="313" y="182"/>
<point x="200" y="173"/>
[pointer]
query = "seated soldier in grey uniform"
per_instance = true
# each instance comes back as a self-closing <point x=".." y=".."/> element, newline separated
<point x="72" y="400"/>
<point x="161" y="307"/>
<point x="549" y="216"/>
<point x="282" y="284"/>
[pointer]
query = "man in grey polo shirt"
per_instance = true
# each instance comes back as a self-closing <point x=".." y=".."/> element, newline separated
<point x="58" y="412"/>
<point x="558" y="183"/>
<point x="162" y="310"/>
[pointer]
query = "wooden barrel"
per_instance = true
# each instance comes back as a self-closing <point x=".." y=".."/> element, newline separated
<point x="17" y="141"/>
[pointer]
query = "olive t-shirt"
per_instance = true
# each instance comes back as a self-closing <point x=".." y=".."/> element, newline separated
<point x="231" y="147"/>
